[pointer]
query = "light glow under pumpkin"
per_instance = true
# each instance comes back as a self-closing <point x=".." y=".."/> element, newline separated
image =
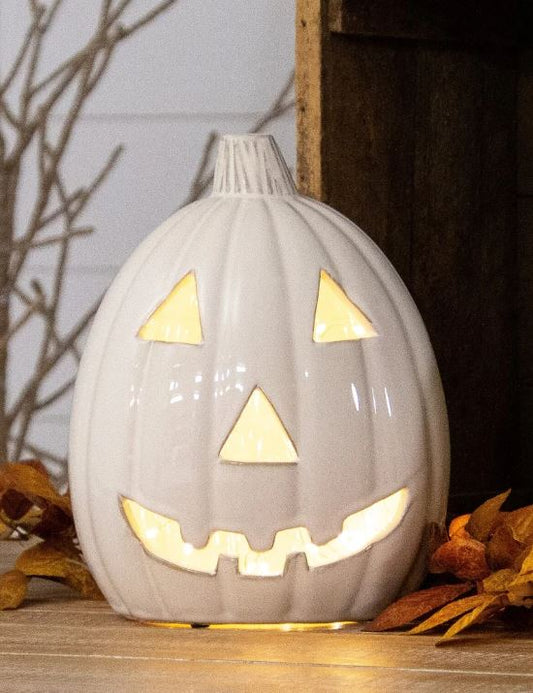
<point x="162" y="538"/>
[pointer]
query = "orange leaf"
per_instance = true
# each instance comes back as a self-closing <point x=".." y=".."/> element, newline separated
<point x="502" y="548"/>
<point x="484" y="518"/>
<point x="412" y="606"/>
<point x="33" y="482"/>
<point x="13" y="588"/>
<point x="463" y="557"/>
<point x="520" y="523"/>
<point x="450" y="611"/>
<point x="489" y="606"/>
<point x="457" y="526"/>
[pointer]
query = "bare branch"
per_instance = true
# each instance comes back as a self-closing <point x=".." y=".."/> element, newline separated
<point x="199" y="184"/>
<point x="41" y="453"/>
<point x="51" y="14"/>
<point x="51" y="361"/>
<point x="57" y="394"/>
<point x="37" y="11"/>
<point x="72" y="82"/>
<point x="21" y="55"/>
<point x="74" y="233"/>
<point x="18" y="324"/>
<point x="146" y="19"/>
<point x="76" y="201"/>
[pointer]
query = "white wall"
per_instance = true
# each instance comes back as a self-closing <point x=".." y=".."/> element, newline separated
<point x="204" y="65"/>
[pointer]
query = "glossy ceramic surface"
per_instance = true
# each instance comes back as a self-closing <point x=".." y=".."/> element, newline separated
<point x="366" y="416"/>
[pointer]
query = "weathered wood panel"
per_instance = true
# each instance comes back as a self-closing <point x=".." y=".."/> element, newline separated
<point x="415" y="140"/>
<point x="462" y="21"/>
<point x="525" y="260"/>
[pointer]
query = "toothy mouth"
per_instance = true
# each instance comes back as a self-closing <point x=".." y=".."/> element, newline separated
<point x="161" y="537"/>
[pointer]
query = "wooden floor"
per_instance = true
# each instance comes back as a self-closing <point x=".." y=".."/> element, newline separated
<point x="60" y="643"/>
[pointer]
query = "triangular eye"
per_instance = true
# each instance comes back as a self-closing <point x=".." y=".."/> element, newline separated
<point x="337" y="318"/>
<point x="177" y="318"/>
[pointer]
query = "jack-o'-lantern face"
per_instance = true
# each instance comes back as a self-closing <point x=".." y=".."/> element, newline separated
<point x="259" y="437"/>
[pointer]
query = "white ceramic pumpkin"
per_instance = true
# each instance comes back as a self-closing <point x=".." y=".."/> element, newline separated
<point x="259" y="432"/>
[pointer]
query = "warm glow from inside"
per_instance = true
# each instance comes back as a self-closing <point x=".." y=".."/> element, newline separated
<point x="337" y="319"/>
<point x="161" y="537"/>
<point x="177" y="319"/>
<point x="258" y="435"/>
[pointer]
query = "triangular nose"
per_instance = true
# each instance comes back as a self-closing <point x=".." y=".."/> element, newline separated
<point x="258" y="435"/>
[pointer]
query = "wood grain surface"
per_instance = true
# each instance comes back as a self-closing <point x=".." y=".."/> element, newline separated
<point x="57" y="642"/>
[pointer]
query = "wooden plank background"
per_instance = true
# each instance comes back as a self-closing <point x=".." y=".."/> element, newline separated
<point x="407" y="123"/>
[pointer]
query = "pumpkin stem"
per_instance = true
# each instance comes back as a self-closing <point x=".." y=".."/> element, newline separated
<point x="251" y="165"/>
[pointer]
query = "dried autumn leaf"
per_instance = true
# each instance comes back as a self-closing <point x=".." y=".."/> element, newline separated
<point x="13" y="588"/>
<point x="483" y="520"/>
<point x="488" y="607"/>
<point x="464" y="557"/>
<point x="54" y="522"/>
<point x="449" y="612"/>
<point x="502" y="548"/>
<point x="520" y="523"/>
<point x="527" y="563"/>
<point x="43" y="560"/>
<point x="59" y="559"/>
<point x="499" y="581"/>
<point x="414" y="605"/>
<point x="14" y="505"/>
<point x="81" y="580"/>
<point x="521" y="593"/>
<point x="33" y="482"/>
<point x="457" y="526"/>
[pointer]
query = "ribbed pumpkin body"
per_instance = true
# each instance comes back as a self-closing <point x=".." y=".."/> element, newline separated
<point x="366" y="417"/>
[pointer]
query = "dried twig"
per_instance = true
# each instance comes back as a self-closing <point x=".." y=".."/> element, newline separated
<point x="24" y="126"/>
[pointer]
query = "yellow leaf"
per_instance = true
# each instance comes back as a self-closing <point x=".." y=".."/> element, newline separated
<point x="527" y="563"/>
<point x="521" y="594"/>
<point x="13" y="588"/>
<point x="499" y="581"/>
<point x="81" y="580"/>
<point x="33" y="482"/>
<point x="490" y="604"/>
<point x="43" y="560"/>
<point x="521" y="580"/>
<point x="484" y="518"/>
<point x="60" y="561"/>
<point x="450" y="611"/>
